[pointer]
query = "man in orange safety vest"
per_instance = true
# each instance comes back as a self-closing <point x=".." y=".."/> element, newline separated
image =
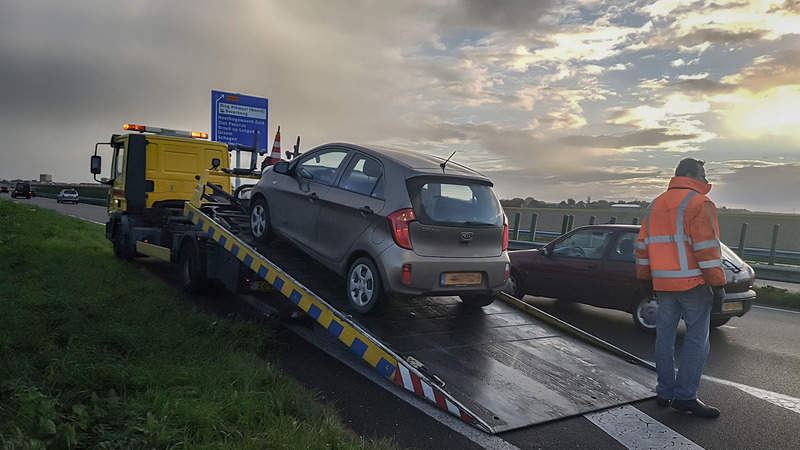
<point x="678" y="249"/>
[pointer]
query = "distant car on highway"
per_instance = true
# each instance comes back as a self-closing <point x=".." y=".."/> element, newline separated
<point x="595" y="265"/>
<point x="22" y="190"/>
<point x="3" y="189"/>
<point x="390" y="222"/>
<point x="68" y="195"/>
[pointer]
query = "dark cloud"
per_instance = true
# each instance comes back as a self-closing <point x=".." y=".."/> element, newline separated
<point x="495" y="15"/>
<point x="721" y="36"/>
<point x="643" y="138"/>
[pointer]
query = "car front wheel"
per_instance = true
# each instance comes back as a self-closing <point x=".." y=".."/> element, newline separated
<point x="364" y="287"/>
<point x="514" y="287"/>
<point x="644" y="316"/>
<point x="259" y="221"/>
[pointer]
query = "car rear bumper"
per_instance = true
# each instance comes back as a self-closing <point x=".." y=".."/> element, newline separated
<point x="434" y="276"/>
<point x="736" y="304"/>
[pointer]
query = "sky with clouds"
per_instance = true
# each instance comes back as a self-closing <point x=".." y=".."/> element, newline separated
<point x="552" y="99"/>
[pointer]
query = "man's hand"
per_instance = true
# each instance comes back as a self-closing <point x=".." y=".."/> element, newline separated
<point x="719" y="297"/>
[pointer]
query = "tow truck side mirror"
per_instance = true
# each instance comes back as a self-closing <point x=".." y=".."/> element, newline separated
<point x="97" y="164"/>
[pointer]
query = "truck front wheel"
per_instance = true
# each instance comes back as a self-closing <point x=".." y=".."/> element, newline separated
<point x="193" y="274"/>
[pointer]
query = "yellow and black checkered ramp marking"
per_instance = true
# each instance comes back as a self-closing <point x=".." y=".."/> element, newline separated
<point x="361" y="343"/>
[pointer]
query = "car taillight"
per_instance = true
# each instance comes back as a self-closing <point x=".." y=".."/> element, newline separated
<point x="505" y="232"/>
<point x="398" y="222"/>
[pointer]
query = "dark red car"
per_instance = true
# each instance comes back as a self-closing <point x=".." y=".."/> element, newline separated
<point x="595" y="265"/>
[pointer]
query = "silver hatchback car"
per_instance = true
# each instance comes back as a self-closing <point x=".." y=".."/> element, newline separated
<point x="393" y="223"/>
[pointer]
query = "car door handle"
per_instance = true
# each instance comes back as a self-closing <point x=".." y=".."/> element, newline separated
<point x="593" y="266"/>
<point x="313" y="196"/>
<point x="366" y="210"/>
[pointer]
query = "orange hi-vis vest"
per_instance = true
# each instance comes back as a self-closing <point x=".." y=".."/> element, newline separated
<point x="678" y="242"/>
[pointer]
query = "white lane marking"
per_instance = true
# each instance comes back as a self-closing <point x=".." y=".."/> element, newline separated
<point x="772" y="308"/>
<point x="784" y="401"/>
<point x="636" y="430"/>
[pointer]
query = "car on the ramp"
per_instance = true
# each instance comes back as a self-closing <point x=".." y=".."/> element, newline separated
<point x="391" y="222"/>
<point x="596" y="265"/>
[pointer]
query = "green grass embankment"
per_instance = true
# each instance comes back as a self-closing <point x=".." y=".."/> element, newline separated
<point x="97" y="353"/>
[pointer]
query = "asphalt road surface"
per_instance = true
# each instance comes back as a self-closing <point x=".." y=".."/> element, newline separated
<point x="752" y="375"/>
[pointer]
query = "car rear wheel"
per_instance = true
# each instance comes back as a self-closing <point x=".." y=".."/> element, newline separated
<point x="645" y="313"/>
<point x="514" y="287"/>
<point x="477" y="301"/>
<point x="259" y="221"/>
<point x="364" y="287"/>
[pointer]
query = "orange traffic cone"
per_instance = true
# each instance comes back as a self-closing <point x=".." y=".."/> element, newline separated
<point x="275" y="156"/>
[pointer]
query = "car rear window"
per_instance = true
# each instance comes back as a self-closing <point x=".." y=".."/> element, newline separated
<point x="454" y="202"/>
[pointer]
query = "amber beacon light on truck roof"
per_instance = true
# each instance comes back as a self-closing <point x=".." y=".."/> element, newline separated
<point x="165" y="131"/>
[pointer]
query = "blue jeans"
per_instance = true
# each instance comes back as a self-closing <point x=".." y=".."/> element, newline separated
<point x="694" y="306"/>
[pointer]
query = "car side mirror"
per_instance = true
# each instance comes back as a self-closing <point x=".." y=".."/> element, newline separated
<point x="96" y="165"/>
<point x="547" y="251"/>
<point x="281" y="167"/>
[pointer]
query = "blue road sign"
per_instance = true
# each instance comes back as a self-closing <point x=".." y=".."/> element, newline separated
<point x="235" y="118"/>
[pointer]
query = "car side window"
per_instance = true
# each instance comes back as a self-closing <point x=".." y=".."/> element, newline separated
<point x="625" y="248"/>
<point x="321" y="167"/>
<point x="364" y="175"/>
<point x="587" y="244"/>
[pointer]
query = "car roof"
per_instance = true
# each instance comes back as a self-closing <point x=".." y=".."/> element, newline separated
<point x="418" y="162"/>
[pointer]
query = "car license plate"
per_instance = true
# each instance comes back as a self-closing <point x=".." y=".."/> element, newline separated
<point x="261" y="286"/>
<point x="461" y="278"/>
<point x="731" y="306"/>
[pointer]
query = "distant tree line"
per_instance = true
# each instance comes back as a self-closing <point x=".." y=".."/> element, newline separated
<point x="569" y="203"/>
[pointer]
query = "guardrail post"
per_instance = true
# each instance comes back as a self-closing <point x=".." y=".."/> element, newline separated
<point x="613" y="219"/>
<point x="571" y="222"/>
<point x="517" y="217"/>
<point x="775" y="230"/>
<point x="534" y="219"/>
<point x="592" y="220"/>
<point x="742" y="236"/>
<point x="564" y="223"/>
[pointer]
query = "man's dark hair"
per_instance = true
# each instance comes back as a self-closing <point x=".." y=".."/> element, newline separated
<point x="688" y="166"/>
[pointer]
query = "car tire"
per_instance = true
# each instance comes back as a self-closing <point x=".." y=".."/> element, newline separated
<point x="515" y="288"/>
<point x="364" y="286"/>
<point x="645" y="313"/>
<point x="259" y="221"/>
<point x="193" y="274"/>
<point x="477" y="301"/>
<point x="719" y="322"/>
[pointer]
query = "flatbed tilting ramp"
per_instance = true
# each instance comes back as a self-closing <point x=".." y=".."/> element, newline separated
<point x="498" y="368"/>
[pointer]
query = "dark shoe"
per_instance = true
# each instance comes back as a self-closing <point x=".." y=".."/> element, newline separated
<point x="695" y="407"/>
<point x="663" y="401"/>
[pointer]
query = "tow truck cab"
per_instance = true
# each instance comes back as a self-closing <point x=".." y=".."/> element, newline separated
<point x="152" y="175"/>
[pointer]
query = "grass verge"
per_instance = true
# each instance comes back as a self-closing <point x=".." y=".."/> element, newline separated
<point x="97" y="353"/>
